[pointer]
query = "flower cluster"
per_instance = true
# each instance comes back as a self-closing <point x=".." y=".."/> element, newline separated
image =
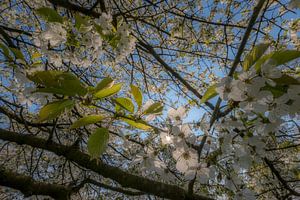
<point x="83" y="43"/>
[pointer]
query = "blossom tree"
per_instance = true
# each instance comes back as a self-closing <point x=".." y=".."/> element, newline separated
<point x="132" y="99"/>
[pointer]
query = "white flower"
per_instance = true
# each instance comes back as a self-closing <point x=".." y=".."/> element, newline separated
<point x="166" y="138"/>
<point x="238" y="90"/>
<point x="56" y="34"/>
<point x="148" y="160"/>
<point x="248" y="75"/>
<point x="279" y="108"/>
<point x="183" y="131"/>
<point x="231" y="89"/>
<point x="55" y="59"/>
<point x="186" y="158"/>
<point x="265" y="128"/>
<point x="256" y="100"/>
<point x="257" y="142"/>
<point x="203" y="174"/>
<point x="105" y="22"/>
<point x="21" y="78"/>
<point x="178" y="114"/>
<point x="224" y="87"/>
<point x="92" y="40"/>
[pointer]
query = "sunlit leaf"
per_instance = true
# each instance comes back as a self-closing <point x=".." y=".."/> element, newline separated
<point x="91" y="119"/>
<point x="254" y="55"/>
<point x="54" y="109"/>
<point x="125" y="103"/>
<point x="58" y="82"/>
<point x="210" y="93"/>
<point x="155" y="108"/>
<point x="278" y="58"/>
<point x="97" y="142"/>
<point x="104" y="83"/>
<point x="137" y="94"/>
<point x="108" y="91"/>
<point x="140" y="124"/>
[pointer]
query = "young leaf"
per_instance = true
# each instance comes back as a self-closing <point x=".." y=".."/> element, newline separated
<point x="155" y="108"/>
<point x="5" y="51"/>
<point x="286" y="80"/>
<point x="54" y="109"/>
<point x="108" y="91"/>
<point x="59" y="82"/>
<point x="285" y="56"/>
<point x="91" y="119"/>
<point x="49" y="15"/>
<point x="81" y="23"/>
<point x="140" y="124"/>
<point x="210" y="93"/>
<point x="104" y="83"/>
<point x="137" y="94"/>
<point x="277" y="91"/>
<point x="125" y="103"/>
<point x="278" y="57"/>
<point x="18" y="54"/>
<point x="254" y="55"/>
<point x="97" y="142"/>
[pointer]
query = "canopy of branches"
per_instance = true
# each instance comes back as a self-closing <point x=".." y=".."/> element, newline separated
<point x="140" y="99"/>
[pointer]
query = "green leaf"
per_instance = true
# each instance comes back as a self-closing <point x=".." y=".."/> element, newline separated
<point x="112" y="38"/>
<point x="285" y="56"/>
<point x="125" y="103"/>
<point x="36" y="55"/>
<point x="18" y="54"/>
<point x="81" y="23"/>
<point x="49" y="14"/>
<point x="277" y="91"/>
<point x="108" y="91"/>
<point x="97" y="142"/>
<point x="254" y="55"/>
<point x="54" y="109"/>
<point x="137" y="94"/>
<point x="5" y="51"/>
<point x="104" y="83"/>
<point x="210" y="93"/>
<point x="286" y="80"/>
<point x="114" y="41"/>
<point x="278" y="57"/>
<point x="140" y="124"/>
<point x="58" y="82"/>
<point x="154" y="108"/>
<point x="91" y="119"/>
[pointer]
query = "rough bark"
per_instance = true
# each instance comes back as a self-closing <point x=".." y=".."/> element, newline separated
<point x="123" y="178"/>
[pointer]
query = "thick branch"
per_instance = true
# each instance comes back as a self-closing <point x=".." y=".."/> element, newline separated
<point x="30" y="187"/>
<point x="123" y="178"/>
<point x="279" y="177"/>
<point x="173" y="72"/>
<point x="109" y="187"/>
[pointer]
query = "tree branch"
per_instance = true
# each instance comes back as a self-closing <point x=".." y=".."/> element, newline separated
<point x="125" y="179"/>
<point x="282" y="181"/>
<point x="30" y="187"/>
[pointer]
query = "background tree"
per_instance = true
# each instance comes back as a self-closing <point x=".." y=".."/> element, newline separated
<point x="149" y="99"/>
